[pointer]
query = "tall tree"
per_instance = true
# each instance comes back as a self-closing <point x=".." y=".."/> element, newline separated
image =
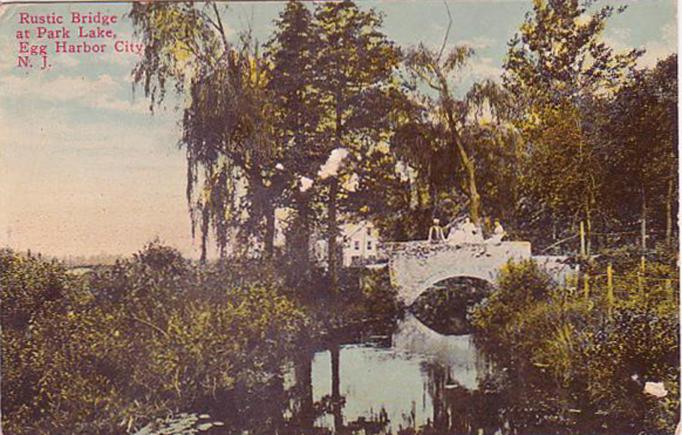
<point x="641" y="156"/>
<point x="428" y="162"/>
<point x="558" y="68"/>
<point x="435" y="71"/>
<point x="449" y="123"/>
<point x="228" y="130"/>
<point x="496" y="152"/>
<point x="291" y="55"/>
<point x="354" y="72"/>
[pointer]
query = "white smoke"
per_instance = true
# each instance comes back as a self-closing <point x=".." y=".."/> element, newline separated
<point x="333" y="164"/>
<point x="306" y="183"/>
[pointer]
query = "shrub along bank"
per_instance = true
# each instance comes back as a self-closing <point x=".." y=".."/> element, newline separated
<point x="155" y="335"/>
<point x="151" y="336"/>
<point x="590" y="357"/>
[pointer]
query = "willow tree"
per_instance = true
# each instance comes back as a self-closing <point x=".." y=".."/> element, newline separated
<point x="559" y="70"/>
<point x="229" y="120"/>
<point x="449" y="124"/>
<point x="232" y="175"/>
<point x="495" y="142"/>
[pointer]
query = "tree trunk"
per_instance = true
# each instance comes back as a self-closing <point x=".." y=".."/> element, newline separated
<point x="300" y="246"/>
<point x="205" y="221"/>
<point x="467" y="162"/>
<point x="270" y="232"/>
<point x="304" y="247"/>
<point x="474" y="197"/>
<point x="304" y="389"/>
<point x="333" y="193"/>
<point x="643" y="221"/>
<point x="333" y="232"/>
<point x="553" y="218"/>
<point x="669" y="212"/>
<point x="588" y="232"/>
<point x="471" y="188"/>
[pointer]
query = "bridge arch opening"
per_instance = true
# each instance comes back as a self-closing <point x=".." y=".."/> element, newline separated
<point x="446" y="305"/>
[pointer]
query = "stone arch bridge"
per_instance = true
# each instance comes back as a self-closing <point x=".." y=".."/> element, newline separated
<point x="416" y="266"/>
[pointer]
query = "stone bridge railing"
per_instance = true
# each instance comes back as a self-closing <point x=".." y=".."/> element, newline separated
<point x="416" y="266"/>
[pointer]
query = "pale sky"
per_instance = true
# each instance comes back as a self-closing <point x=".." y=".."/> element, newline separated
<point x="86" y="169"/>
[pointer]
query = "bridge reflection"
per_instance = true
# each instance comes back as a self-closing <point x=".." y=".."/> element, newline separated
<point x="445" y="306"/>
<point x="371" y="389"/>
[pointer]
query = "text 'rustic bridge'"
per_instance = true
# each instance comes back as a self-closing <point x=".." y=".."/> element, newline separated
<point x="416" y="266"/>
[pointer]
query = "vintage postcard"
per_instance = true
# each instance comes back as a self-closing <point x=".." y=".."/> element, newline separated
<point x="339" y="217"/>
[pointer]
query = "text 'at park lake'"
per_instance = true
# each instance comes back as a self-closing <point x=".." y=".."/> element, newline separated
<point x="377" y="217"/>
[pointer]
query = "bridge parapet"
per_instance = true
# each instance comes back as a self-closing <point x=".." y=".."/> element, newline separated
<point x="557" y="267"/>
<point x="416" y="266"/>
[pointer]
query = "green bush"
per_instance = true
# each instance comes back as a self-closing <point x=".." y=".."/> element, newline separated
<point x="588" y="357"/>
<point x="520" y="285"/>
<point x="151" y="336"/>
<point x="634" y="346"/>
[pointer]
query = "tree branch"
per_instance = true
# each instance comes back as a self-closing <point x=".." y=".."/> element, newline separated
<point x="219" y="25"/>
<point x="151" y="325"/>
<point x="447" y="32"/>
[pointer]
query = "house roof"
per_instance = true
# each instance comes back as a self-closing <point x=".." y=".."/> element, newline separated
<point x="359" y="226"/>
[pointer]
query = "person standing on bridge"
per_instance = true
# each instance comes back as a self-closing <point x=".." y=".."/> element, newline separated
<point x="472" y="232"/>
<point x="436" y="232"/>
<point x="498" y="233"/>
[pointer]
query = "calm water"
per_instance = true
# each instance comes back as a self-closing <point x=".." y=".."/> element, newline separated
<point x="405" y="382"/>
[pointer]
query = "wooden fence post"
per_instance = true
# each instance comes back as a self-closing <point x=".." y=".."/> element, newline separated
<point x="610" y="299"/>
<point x="575" y="279"/>
<point x="571" y="283"/>
<point x="640" y="275"/>
<point x="586" y="286"/>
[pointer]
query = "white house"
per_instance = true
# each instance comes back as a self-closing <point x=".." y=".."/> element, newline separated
<point x="359" y="243"/>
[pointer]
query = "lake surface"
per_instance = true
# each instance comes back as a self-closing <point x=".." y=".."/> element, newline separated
<point x="408" y="380"/>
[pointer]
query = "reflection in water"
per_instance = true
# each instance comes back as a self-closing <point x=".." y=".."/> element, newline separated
<point x="386" y="389"/>
<point x="372" y="380"/>
<point x="457" y="353"/>
<point x="421" y="382"/>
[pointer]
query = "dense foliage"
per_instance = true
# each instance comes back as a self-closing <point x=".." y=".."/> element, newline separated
<point x="581" y="358"/>
<point x="150" y="336"/>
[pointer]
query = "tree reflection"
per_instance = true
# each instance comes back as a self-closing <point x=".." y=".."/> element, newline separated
<point x="337" y="400"/>
<point x="305" y="413"/>
<point x="459" y="410"/>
